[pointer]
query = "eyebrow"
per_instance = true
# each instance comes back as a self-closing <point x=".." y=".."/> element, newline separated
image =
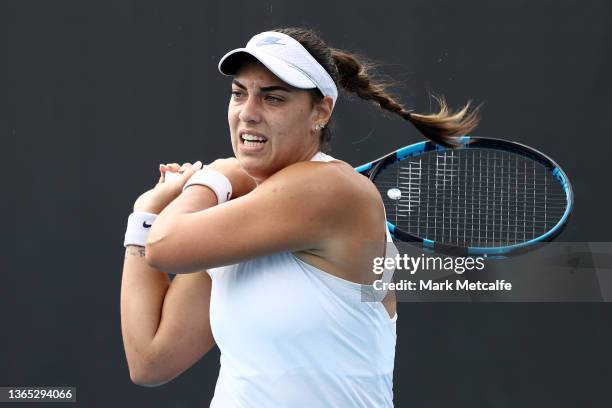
<point x="263" y="88"/>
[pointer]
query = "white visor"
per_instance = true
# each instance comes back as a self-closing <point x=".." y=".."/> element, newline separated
<point x="286" y="58"/>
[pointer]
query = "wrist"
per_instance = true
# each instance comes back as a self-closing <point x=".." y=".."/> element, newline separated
<point x="138" y="227"/>
<point x="147" y="209"/>
<point x="215" y="181"/>
<point x="195" y="198"/>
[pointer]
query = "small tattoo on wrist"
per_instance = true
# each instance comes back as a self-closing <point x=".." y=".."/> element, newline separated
<point x="136" y="251"/>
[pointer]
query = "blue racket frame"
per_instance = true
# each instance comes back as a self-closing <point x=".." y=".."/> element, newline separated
<point x="470" y="142"/>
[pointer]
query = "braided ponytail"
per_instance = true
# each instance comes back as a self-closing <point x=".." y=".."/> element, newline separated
<point x="351" y="73"/>
<point x="442" y="127"/>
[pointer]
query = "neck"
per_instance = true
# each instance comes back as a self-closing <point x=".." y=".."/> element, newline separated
<point x="306" y="156"/>
<point x="311" y="152"/>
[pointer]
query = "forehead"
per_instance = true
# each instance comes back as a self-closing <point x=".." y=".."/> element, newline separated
<point x="256" y="73"/>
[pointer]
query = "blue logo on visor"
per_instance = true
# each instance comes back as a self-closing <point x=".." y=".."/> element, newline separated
<point x="268" y="41"/>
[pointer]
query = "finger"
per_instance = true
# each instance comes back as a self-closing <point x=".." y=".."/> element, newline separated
<point x="173" y="166"/>
<point x="171" y="169"/>
<point x="184" y="176"/>
<point x="184" y="167"/>
<point x="193" y="168"/>
<point x="162" y="172"/>
<point x="197" y="165"/>
<point x="171" y="176"/>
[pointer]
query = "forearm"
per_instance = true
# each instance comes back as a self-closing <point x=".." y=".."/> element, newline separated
<point x="222" y="179"/>
<point x="143" y="290"/>
<point x="193" y="199"/>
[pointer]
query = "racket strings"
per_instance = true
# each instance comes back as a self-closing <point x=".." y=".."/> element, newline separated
<point x="472" y="197"/>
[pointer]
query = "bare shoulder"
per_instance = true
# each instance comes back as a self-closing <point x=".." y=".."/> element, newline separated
<point x="336" y="181"/>
<point x="348" y="207"/>
<point x="335" y="191"/>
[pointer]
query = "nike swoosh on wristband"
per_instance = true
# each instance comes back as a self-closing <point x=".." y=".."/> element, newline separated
<point x="145" y="225"/>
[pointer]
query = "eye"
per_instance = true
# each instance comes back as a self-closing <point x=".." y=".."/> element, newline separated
<point x="236" y="94"/>
<point x="274" y="99"/>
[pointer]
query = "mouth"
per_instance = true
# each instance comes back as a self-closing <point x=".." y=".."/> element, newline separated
<point x="250" y="139"/>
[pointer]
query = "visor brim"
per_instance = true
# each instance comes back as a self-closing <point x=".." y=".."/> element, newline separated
<point x="233" y="60"/>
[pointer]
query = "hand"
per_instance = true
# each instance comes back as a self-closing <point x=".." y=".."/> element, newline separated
<point x="156" y="199"/>
<point x="241" y="182"/>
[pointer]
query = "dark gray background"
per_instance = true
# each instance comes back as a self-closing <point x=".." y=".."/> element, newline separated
<point x="96" y="94"/>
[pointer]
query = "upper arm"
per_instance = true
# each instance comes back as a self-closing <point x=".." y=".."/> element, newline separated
<point x="301" y="207"/>
<point x="184" y="333"/>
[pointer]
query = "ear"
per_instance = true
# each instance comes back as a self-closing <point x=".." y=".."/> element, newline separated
<point x="323" y="110"/>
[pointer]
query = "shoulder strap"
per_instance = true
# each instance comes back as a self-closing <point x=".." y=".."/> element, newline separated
<point x="322" y="157"/>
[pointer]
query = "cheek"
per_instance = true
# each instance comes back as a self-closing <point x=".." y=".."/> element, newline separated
<point x="232" y="119"/>
<point x="231" y="116"/>
<point x="295" y="125"/>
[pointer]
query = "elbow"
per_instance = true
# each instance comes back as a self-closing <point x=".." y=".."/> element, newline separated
<point x="157" y="256"/>
<point x="167" y="257"/>
<point x="145" y="376"/>
<point x="143" y="381"/>
<point x="153" y="255"/>
<point x="146" y="369"/>
<point x="169" y="248"/>
<point x="157" y="249"/>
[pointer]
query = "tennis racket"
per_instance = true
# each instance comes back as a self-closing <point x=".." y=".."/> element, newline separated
<point x="487" y="196"/>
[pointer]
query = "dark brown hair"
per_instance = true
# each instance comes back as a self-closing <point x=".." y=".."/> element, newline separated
<point x="350" y="72"/>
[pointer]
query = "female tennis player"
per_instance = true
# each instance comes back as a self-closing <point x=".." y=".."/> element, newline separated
<point x="273" y="248"/>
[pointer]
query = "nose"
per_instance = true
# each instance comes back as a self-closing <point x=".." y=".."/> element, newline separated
<point x="250" y="112"/>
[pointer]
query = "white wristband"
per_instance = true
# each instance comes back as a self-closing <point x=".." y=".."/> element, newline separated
<point x="139" y="225"/>
<point x="214" y="180"/>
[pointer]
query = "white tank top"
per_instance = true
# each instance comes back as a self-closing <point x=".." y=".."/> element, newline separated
<point x="292" y="335"/>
